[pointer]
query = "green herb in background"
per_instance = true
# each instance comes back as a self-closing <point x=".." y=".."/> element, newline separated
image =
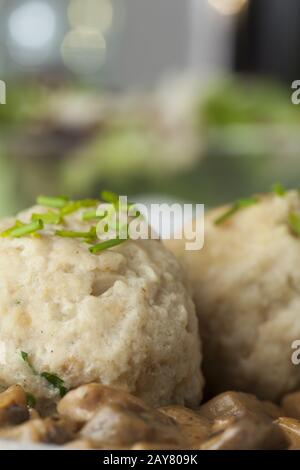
<point x="278" y="189"/>
<point x="238" y="205"/>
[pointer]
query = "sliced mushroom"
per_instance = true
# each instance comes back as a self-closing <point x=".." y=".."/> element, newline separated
<point x="248" y="433"/>
<point x="195" y="428"/>
<point x="33" y="414"/>
<point x="229" y="405"/>
<point x="291" y="428"/>
<point x="82" y="403"/>
<point x="291" y="405"/>
<point x="49" y="430"/>
<point x="124" y="424"/>
<point x="13" y="406"/>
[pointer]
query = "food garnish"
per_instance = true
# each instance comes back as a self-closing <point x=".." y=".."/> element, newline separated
<point x="48" y="218"/>
<point x="52" y="379"/>
<point x="238" y="205"/>
<point x="90" y="215"/>
<point x="110" y="197"/>
<point x="278" y="189"/>
<point x="74" y="206"/>
<point x="56" y="382"/>
<point x="106" y="244"/>
<point x="294" y="223"/>
<point x="31" y="400"/>
<point x="91" y="234"/>
<point x="20" y="229"/>
<point x="55" y="202"/>
<point x="62" y="206"/>
<point x="26" y="359"/>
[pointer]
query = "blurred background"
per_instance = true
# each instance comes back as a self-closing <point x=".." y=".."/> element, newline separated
<point x="186" y="100"/>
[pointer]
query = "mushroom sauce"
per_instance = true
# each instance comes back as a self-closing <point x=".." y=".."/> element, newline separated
<point x="95" y="416"/>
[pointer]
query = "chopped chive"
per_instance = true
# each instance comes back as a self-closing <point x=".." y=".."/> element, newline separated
<point x="294" y="223"/>
<point x="52" y="379"/>
<point x="18" y="231"/>
<point x="106" y="244"/>
<point x="31" y="400"/>
<point x="48" y="218"/>
<point x="109" y="196"/>
<point x="56" y="382"/>
<point x="278" y="189"/>
<point x="113" y="198"/>
<point x="26" y="359"/>
<point x="240" y="204"/>
<point x="72" y="234"/>
<point x="89" y="215"/>
<point x="56" y="202"/>
<point x="74" y="206"/>
<point x="7" y="232"/>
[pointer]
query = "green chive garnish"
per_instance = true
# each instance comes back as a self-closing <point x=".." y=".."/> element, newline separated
<point x="18" y="231"/>
<point x="91" y="234"/>
<point x="31" y="400"/>
<point x="52" y="379"/>
<point x="26" y="359"/>
<point x="109" y="196"/>
<point x="55" y="202"/>
<point x="48" y="218"/>
<point x="294" y="223"/>
<point x="105" y="245"/>
<point x="74" y="206"/>
<point x="278" y="189"/>
<point x="240" y="204"/>
<point x="7" y="232"/>
<point x="113" y="198"/>
<point x="65" y="206"/>
<point x="90" y="215"/>
<point x="56" y="382"/>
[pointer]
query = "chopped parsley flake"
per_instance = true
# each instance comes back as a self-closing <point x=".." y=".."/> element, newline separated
<point x="31" y="400"/>
<point x="52" y="379"/>
<point x="56" y="382"/>
<point x="26" y="359"/>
